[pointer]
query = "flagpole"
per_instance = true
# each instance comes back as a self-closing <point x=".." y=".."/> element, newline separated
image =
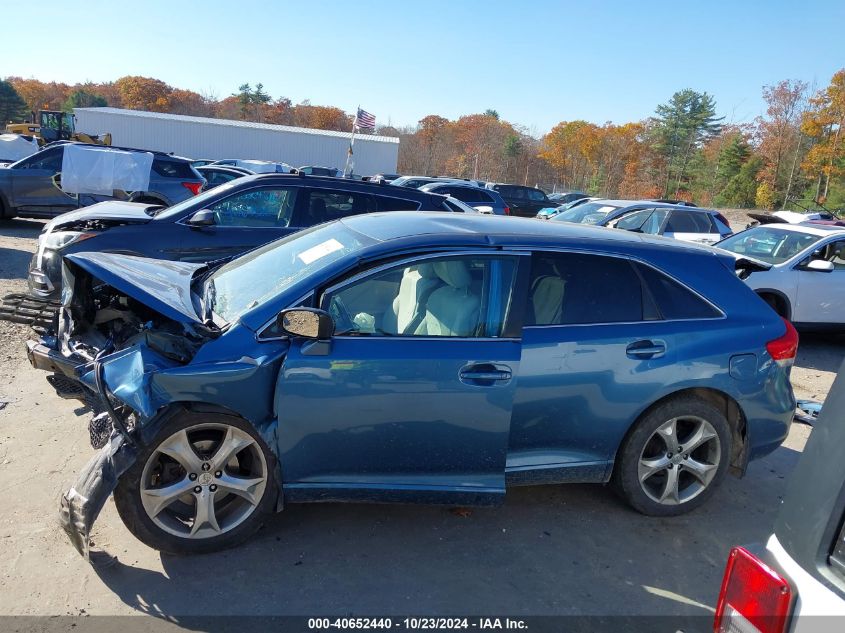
<point x="351" y="142"/>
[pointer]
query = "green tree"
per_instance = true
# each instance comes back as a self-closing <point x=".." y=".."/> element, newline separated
<point x="83" y="99"/>
<point x="12" y="106"/>
<point x="680" y="127"/>
<point x="491" y="112"/>
<point x="252" y="101"/>
<point x="731" y="160"/>
<point x="741" y="190"/>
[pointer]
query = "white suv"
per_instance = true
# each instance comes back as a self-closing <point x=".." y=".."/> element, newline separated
<point x="803" y="276"/>
<point x="796" y="582"/>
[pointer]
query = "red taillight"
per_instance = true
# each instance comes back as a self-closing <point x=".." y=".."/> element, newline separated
<point x="722" y="219"/>
<point x="783" y="349"/>
<point x="193" y="187"/>
<point x="753" y="597"/>
<point x="507" y="210"/>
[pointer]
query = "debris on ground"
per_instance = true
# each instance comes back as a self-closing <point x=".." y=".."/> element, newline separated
<point x="807" y="411"/>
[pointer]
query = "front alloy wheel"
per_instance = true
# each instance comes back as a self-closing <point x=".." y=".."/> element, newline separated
<point x="199" y="486"/>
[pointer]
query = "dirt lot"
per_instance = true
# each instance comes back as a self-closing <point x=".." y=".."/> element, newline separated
<point x="549" y="550"/>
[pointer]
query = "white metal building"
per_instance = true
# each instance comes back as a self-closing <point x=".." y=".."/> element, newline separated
<point x="202" y="137"/>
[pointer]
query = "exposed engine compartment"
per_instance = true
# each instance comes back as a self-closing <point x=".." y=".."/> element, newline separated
<point x="96" y="319"/>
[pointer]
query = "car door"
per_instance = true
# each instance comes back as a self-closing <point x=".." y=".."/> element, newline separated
<point x="33" y="188"/>
<point x="411" y="399"/>
<point x="820" y="295"/>
<point x="242" y="222"/>
<point x="595" y="352"/>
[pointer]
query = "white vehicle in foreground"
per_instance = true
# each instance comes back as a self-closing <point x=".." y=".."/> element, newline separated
<point x="796" y="582"/>
<point x="805" y="280"/>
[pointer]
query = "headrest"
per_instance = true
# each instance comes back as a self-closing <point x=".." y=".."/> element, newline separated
<point x="426" y="271"/>
<point x="454" y="273"/>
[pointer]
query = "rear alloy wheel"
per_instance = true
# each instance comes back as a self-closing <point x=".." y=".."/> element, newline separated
<point x="674" y="458"/>
<point x="203" y="484"/>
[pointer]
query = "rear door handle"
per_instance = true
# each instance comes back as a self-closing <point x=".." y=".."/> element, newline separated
<point x="646" y="349"/>
<point x="485" y="374"/>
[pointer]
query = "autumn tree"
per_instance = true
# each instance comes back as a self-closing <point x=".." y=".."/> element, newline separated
<point x="189" y="102"/>
<point x="144" y="93"/>
<point x="779" y="136"/>
<point x="823" y="124"/>
<point x="12" y="107"/>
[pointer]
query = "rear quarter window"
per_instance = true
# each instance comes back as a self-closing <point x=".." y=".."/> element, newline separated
<point x="396" y="204"/>
<point x="174" y="169"/>
<point x="675" y="301"/>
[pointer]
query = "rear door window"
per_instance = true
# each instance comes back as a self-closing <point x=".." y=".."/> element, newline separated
<point x="577" y="288"/>
<point x="469" y="194"/>
<point x="690" y="222"/>
<point x="673" y="300"/>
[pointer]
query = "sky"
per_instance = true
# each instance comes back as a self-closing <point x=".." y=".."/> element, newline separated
<point x="535" y="62"/>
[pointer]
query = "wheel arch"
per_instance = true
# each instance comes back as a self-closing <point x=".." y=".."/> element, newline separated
<point x="149" y="197"/>
<point x="267" y="432"/>
<point x="726" y="405"/>
<point x="780" y="297"/>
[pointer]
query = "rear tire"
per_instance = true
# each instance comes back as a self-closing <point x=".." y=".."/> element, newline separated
<point x="674" y="457"/>
<point x="206" y="482"/>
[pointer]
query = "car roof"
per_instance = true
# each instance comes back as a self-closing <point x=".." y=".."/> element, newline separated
<point x="805" y="227"/>
<point x="340" y="183"/>
<point x="155" y="153"/>
<point x="498" y="230"/>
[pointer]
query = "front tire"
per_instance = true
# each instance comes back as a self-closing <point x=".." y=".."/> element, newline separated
<point x="203" y="484"/>
<point x="674" y="458"/>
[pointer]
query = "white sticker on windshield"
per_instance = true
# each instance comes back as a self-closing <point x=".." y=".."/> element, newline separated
<point x="606" y="209"/>
<point x="321" y="250"/>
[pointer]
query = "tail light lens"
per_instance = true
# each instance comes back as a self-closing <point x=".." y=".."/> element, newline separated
<point x="754" y="598"/>
<point x="507" y="210"/>
<point x="193" y="187"/>
<point x="783" y="349"/>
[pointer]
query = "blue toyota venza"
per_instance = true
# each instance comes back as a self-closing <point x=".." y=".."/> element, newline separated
<point x="412" y="357"/>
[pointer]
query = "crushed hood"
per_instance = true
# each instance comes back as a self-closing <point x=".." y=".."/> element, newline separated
<point x="162" y="285"/>
<point x="111" y="210"/>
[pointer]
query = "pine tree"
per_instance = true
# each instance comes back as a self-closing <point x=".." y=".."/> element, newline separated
<point x="680" y="127"/>
<point x="12" y="106"/>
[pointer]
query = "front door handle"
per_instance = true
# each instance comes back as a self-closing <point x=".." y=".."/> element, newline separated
<point x="485" y="374"/>
<point x="646" y="349"/>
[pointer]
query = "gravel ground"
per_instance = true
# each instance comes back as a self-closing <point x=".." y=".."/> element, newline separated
<point x="549" y="550"/>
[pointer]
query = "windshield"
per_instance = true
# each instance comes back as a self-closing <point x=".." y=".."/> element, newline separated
<point x="588" y="213"/>
<point x="771" y="245"/>
<point x="195" y="202"/>
<point x="251" y="280"/>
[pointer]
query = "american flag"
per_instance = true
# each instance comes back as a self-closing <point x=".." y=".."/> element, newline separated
<point x="364" y="120"/>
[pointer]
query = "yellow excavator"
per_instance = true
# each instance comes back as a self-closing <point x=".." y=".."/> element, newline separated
<point x="54" y="125"/>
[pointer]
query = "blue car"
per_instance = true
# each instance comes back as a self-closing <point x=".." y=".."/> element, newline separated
<point x="412" y="357"/>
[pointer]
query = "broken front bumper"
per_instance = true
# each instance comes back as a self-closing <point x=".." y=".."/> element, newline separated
<point x="81" y="505"/>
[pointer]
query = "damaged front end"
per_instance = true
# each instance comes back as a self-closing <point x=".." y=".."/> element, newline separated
<point x="103" y="350"/>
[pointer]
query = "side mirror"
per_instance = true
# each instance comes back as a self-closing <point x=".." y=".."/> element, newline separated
<point x="308" y="323"/>
<point x="820" y="266"/>
<point x="203" y="217"/>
